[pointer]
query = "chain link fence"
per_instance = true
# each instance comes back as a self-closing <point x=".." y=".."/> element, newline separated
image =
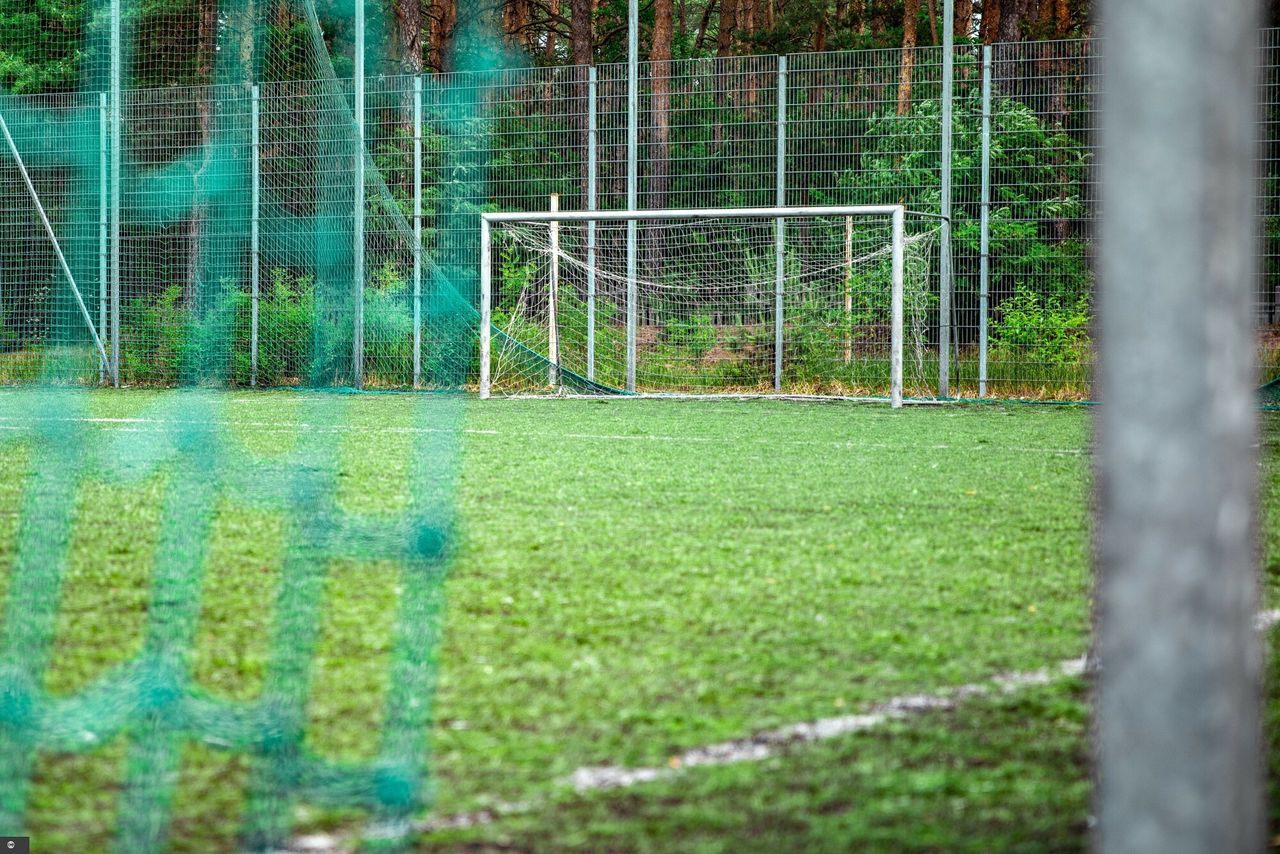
<point x="258" y="188"/>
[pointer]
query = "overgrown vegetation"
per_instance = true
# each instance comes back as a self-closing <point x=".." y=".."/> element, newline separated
<point x="296" y="345"/>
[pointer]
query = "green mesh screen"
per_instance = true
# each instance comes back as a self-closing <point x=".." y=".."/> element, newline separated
<point x="192" y="196"/>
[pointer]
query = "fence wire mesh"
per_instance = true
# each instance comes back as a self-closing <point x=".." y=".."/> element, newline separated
<point x="857" y="129"/>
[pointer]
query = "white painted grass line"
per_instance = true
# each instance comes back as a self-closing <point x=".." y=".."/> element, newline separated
<point x="754" y="748"/>
<point x="768" y="743"/>
<point x="294" y="427"/>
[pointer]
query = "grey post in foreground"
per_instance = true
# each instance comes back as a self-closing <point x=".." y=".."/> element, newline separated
<point x="1180" y="752"/>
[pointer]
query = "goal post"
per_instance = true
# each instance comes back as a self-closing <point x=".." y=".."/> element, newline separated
<point x="724" y="298"/>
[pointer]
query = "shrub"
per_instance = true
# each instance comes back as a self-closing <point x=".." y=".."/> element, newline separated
<point x="697" y="334"/>
<point x="154" y="338"/>
<point x="1046" y="330"/>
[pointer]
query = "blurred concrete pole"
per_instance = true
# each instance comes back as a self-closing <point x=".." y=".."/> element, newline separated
<point x="1180" y="750"/>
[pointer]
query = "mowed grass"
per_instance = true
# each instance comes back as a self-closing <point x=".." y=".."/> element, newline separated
<point x="635" y="578"/>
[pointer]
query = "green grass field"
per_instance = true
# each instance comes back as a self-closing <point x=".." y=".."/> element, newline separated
<point x="636" y="579"/>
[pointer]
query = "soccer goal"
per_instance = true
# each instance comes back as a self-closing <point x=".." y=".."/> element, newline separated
<point x="830" y="301"/>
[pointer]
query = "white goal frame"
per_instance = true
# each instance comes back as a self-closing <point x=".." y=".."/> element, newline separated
<point x="779" y="214"/>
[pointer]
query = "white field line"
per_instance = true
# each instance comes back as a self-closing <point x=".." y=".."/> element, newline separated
<point x="753" y="748"/>
<point x="146" y="425"/>
<point x="762" y="745"/>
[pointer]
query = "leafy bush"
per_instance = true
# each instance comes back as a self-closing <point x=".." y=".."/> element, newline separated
<point x="160" y="340"/>
<point x="1045" y="330"/>
<point x="285" y="311"/>
<point x="154" y="338"/>
<point x="1037" y="172"/>
<point x="697" y="334"/>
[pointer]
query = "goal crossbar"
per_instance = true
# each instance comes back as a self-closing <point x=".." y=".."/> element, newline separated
<point x="897" y="213"/>
<point x="695" y="213"/>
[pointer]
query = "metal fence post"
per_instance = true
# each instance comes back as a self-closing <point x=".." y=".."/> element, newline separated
<point x="984" y="258"/>
<point x="593" y="141"/>
<point x="553" y="295"/>
<point x="897" y="321"/>
<point x="633" y="180"/>
<point x="103" y="131"/>
<point x="780" y="227"/>
<point x="255" y="201"/>
<point x="486" y="308"/>
<point x="117" y="145"/>
<point x="417" y="231"/>
<point x="944" y="263"/>
<point x="1179" y="695"/>
<point x="848" y="290"/>
<point x="357" y="264"/>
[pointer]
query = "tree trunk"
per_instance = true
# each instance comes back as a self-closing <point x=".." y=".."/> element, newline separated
<point x="444" y="23"/>
<point x="582" y="43"/>
<point x="663" y="30"/>
<point x="582" y="32"/>
<point x="964" y="18"/>
<point x="876" y="13"/>
<point x="549" y="51"/>
<point x="407" y="43"/>
<point x="206" y="55"/>
<point x="910" y="18"/>
<point x="517" y="22"/>
<point x="990" y="28"/>
<point x="1015" y="16"/>
<point x="728" y="27"/>
<point x="700" y="41"/>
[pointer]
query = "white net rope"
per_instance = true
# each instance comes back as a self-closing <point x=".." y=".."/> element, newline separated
<point x="706" y="306"/>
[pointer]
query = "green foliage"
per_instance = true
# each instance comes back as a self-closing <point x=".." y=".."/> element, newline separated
<point x="154" y="339"/>
<point x="286" y="307"/>
<point x="696" y="334"/>
<point x="1045" y="330"/>
<point x="1038" y="170"/>
<point x="159" y="338"/>
<point x="41" y="45"/>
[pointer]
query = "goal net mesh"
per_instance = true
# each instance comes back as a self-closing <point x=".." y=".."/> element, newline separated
<point x="707" y="306"/>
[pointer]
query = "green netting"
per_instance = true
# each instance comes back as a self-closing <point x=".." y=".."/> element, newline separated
<point x="219" y="286"/>
<point x="240" y="194"/>
<point x="1270" y="393"/>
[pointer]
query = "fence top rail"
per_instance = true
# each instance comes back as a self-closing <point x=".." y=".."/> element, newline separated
<point x="693" y="213"/>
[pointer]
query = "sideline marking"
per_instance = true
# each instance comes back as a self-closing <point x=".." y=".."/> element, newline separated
<point x="132" y="425"/>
